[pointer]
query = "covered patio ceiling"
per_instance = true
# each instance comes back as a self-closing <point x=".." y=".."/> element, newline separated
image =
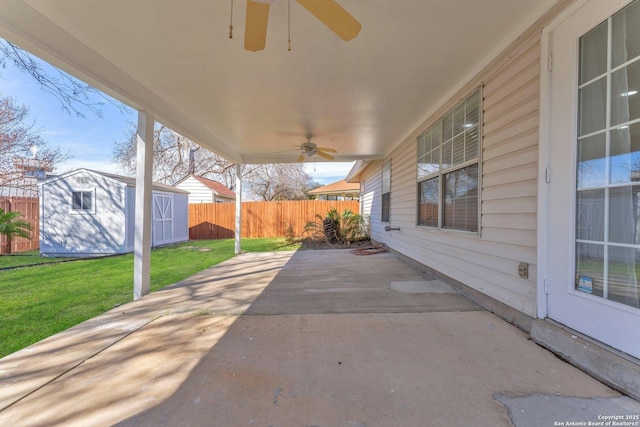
<point x="362" y="98"/>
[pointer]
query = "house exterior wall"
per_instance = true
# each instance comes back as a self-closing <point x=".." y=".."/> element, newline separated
<point x="181" y="217"/>
<point x="95" y="232"/>
<point x="372" y="201"/>
<point x="486" y="261"/>
<point x="198" y="192"/>
<point x="130" y="218"/>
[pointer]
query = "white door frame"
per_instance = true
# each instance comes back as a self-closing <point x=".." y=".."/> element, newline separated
<point x="170" y="197"/>
<point x="544" y="155"/>
<point x="545" y="173"/>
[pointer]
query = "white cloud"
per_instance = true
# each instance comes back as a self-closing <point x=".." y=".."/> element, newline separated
<point x="97" y="165"/>
<point x="328" y="172"/>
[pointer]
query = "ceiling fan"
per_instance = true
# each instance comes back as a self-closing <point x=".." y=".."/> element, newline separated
<point x="309" y="149"/>
<point x="328" y="12"/>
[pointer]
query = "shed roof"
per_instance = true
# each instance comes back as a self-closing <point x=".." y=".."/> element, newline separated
<point x="338" y="187"/>
<point x="127" y="180"/>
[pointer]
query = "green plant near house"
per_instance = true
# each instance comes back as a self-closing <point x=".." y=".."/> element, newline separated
<point x="289" y="235"/>
<point x="353" y="227"/>
<point x="339" y="228"/>
<point x="12" y="226"/>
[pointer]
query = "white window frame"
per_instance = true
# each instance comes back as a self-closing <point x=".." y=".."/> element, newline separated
<point x="386" y="169"/>
<point x="441" y="171"/>
<point x="83" y="211"/>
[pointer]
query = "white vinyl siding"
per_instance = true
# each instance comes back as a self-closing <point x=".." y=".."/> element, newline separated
<point x="67" y="231"/>
<point x="180" y="217"/>
<point x="111" y="227"/>
<point x="198" y="192"/>
<point x="366" y="200"/>
<point x="509" y="169"/>
<point x="372" y="200"/>
<point x="130" y="220"/>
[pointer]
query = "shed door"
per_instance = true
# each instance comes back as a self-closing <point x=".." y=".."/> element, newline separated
<point x="162" y="219"/>
<point x="594" y="223"/>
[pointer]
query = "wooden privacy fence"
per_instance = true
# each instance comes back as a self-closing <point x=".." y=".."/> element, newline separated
<point x="29" y="207"/>
<point x="260" y="219"/>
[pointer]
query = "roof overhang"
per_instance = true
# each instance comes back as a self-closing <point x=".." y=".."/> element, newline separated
<point x="361" y="97"/>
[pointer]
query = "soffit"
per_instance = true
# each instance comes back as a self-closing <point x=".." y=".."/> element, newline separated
<point x="360" y="97"/>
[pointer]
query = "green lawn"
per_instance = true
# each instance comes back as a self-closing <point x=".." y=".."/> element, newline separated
<point x="39" y="301"/>
<point x="26" y="258"/>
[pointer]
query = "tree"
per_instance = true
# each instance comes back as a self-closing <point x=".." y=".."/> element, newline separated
<point x="280" y="181"/>
<point x="21" y="148"/>
<point x="11" y="226"/>
<point x="175" y="156"/>
<point x="74" y="95"/>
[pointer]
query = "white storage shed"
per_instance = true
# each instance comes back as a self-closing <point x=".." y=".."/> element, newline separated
<point x="87" y="213"/>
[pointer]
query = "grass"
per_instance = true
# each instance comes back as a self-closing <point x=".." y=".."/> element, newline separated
<point x="39" y="301"/>
<point x="26" y="258"/>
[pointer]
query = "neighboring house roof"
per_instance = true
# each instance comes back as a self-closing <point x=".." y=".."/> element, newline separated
<point x="355" y="173"/>
<point x="23" y="184"/>
<point x="127" y="180"/>
<point x="10" y="191"/>
<point x="218" y="188"/>
<point x="338" y="187"/>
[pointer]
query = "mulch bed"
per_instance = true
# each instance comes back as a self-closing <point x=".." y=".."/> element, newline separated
<point x="363" y="247"/>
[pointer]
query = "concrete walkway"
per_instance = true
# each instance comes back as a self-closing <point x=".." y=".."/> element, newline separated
<point x="311" y="338"/>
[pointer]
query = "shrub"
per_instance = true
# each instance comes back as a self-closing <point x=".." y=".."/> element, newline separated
<point x="339" y="228"/>
<point x="11" y="226"/>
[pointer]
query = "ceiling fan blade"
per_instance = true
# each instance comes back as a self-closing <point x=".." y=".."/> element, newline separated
<point x="328" y="150"/>
<point x="333" y="16"/>
<point x="301" y="158"/>
<point x="255" y="31"/>
<point x="325" y="155"/>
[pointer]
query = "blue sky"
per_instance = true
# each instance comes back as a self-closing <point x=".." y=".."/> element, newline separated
<point x="90" y="140"/>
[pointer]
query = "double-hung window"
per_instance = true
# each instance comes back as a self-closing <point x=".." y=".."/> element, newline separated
<point x="386" y="192"/>
<point x="448" y="158"/>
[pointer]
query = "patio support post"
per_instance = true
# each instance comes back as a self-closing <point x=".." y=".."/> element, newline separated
<point x="142" y="239"/>
<point x="238" y="208"/>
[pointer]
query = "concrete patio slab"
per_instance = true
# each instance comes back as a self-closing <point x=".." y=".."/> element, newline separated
<point x="422" y="287"/>
<point x="289" y="339"/>
<point x="335" y="281"/>
<point x="423" y="369"/>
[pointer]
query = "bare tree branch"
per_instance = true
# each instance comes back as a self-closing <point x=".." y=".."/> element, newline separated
<point x="171" y="158"/>
<point x="72" y="94"/>
<point x="175" y="157"/>
<point x="22" y="150"/>
<point x="281" y="181"/>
